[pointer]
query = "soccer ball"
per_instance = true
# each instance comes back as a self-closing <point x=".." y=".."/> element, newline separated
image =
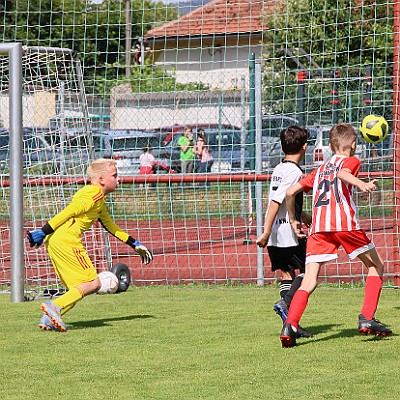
<point x="109" y="283"/>
<point x="374" y="128"/>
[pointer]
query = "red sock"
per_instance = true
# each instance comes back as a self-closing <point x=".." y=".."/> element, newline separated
<point x="372" y="292"/>
<point x="297" y="307"/>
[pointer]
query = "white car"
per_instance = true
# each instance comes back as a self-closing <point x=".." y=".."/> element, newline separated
<point x="318" y="150"/>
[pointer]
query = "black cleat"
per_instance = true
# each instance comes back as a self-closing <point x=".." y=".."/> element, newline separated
<point x="281" y="308"/>
<point x="301" y="333"/>
<point x="372" y="327"/>
<point x="288" y="336"/>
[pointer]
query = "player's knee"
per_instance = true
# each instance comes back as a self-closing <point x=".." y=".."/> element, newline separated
<point x="379" y="268"/>
<point x="308" y="285"/>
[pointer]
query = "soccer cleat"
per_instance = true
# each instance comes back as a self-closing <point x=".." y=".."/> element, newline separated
<point x="281" y="308"/>
<point x="288" y="335"/>
<point x="372" y="327"/>
<point x="46" y="324"/>
<point x="53" y="312"/>
<point x="301" y="333"/>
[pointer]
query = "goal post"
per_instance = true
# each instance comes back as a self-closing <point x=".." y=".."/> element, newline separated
<point x="396" y="141"/>
<point x="14" y="52"/>
<point x="45" y="134"/>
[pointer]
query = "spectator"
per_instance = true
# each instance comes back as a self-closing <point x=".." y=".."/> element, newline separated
<point x="202" y="150"/>
<point x="147" y="161"/>
<point x="187" y="156"/>
<point x="147" y="164"/>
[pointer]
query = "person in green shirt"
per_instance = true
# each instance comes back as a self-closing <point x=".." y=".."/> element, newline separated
<point x="187" y="156"/>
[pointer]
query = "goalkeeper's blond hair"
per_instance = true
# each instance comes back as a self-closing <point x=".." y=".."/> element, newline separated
<point x="99" y="167"/>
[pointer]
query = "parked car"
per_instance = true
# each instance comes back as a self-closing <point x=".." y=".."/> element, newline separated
<point x="318" y="150"/>
<point x="123" y="145"/>
<point x="225" y="146"/>
<point x="36" y="150"/>
<point x="272" y="125"/>
<point x="72" y="146"/>
<point x="126" y="147"/>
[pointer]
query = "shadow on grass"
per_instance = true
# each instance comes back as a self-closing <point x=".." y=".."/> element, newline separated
<point x="317" y="329"/>
<point x="343" y="333"/>
<point x="105" y="322"/>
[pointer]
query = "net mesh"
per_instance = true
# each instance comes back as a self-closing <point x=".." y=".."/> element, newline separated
<point x="56" y="144"/>
<point x="148" y="69"/>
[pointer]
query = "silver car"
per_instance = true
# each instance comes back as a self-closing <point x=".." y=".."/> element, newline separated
<point x="318" y="149"/>
<point x="126" y="146"/>
<point x="123" y="145"/>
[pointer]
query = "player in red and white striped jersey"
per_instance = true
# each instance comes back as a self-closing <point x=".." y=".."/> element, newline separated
<point x="334" y="224"/>
<point x="334" y="209"/>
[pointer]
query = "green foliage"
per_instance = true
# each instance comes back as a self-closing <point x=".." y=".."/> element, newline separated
<point x="346" y="36"/>
<point x="334" y="33"/>
<point x="96" y="30"/>
<point x="150" y="78"/>
<point x="198" y="343"/>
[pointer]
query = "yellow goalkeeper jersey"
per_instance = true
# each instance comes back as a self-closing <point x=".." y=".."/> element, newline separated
<point x="86" y="207"/>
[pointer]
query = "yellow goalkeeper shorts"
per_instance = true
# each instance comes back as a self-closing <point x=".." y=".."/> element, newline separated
<point x="70" y="260"/>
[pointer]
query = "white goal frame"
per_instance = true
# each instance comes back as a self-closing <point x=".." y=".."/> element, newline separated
<point x="14" y="52"/>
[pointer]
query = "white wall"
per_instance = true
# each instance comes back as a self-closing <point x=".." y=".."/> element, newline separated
<point x="37" y="109"/>
<point x="156" y="117"/>
<point x="153" y="110"/>
<point x="220" y="67"/>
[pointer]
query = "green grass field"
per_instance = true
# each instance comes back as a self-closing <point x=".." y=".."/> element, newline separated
<point x="199" y="343"/>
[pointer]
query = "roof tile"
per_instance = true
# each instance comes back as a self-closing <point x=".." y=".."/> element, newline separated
<point x="218" y="17"/>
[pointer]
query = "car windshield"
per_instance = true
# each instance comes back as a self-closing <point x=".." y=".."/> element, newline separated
<point x="272" y="126"/>
<point x="69" y="138"/>
<point x="313" y="137"/>
<point x="225" y="139"/>
<point x="4" y="140"/>
<point x="325" y="138"/>
<point x="135" y="143"/>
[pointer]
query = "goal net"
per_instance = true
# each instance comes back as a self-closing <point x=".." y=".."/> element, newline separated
<point x="152" y="68"/>
<point x="57" y="145"/>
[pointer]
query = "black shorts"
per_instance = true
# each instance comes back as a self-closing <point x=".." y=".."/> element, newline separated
<point x="288" y="258"/>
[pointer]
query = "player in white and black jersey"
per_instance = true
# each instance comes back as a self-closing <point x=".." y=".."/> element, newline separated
<point x="286" y="251"/>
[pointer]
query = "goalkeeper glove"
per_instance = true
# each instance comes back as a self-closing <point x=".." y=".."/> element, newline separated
<point x="143" y="251"/>
<point x="37" y="236"/>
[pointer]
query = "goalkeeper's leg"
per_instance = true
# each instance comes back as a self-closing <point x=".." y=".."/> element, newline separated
<point x="75" y="269"/>
<point x="75" y="294"/>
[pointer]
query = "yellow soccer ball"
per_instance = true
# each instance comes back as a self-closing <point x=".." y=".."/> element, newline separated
<point x="374" y="128"/>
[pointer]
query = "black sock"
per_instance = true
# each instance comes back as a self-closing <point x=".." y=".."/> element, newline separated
<point x="284" y="287"/>
<point x="295" y="285"/>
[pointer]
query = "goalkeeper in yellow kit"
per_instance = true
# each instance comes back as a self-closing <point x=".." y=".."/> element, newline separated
<point x="62" y="236"/>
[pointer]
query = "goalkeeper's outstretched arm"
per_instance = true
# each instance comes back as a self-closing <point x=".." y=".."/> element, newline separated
<point x="112" y="228"/>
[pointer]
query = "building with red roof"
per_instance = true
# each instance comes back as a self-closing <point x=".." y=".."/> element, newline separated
<point x="212" y="43"/>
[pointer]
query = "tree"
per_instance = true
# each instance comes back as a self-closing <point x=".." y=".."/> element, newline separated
<point x="344" y="35"/>
<point x="96" y="31"/>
